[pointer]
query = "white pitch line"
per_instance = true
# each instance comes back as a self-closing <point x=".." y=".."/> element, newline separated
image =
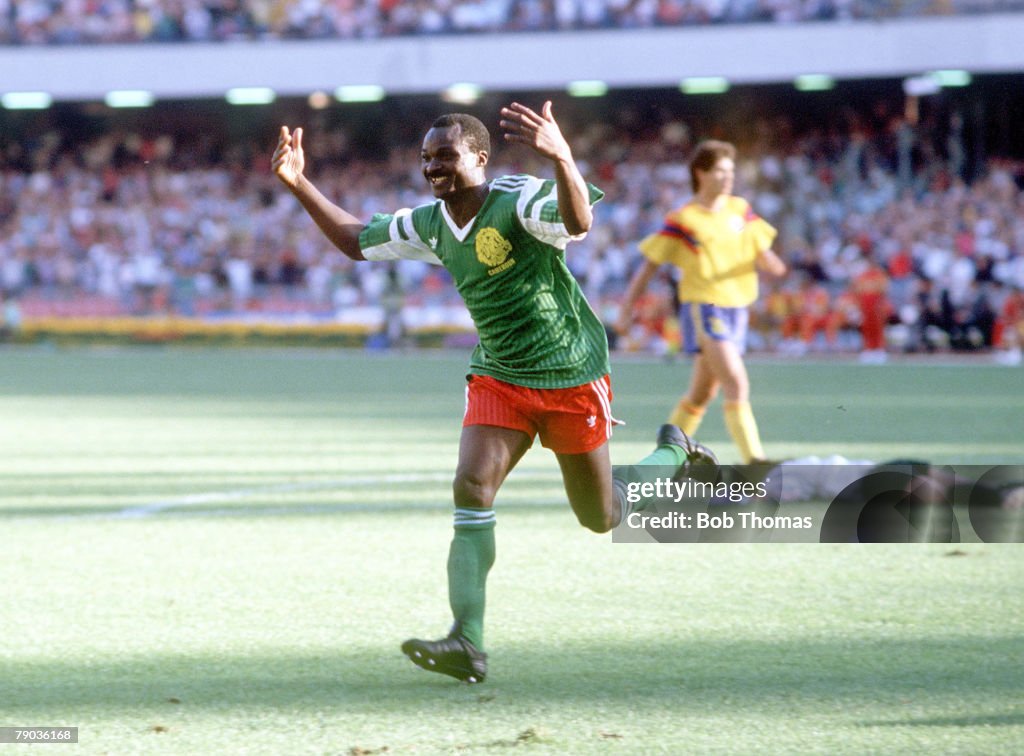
<point x="305" y="509"/>
<point x="214" y="497"/>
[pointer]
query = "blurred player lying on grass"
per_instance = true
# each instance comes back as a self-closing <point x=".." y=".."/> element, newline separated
<point x="541" y="366"/>
<point x="833" y="477"/>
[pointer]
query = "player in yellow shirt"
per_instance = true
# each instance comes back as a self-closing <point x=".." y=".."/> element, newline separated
<point x="718" y="244"/>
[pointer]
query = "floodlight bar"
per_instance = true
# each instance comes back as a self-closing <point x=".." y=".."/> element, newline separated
<point x="251" y="96"/>
<point x="587" y="88"/>
<point x="704" y="85"/>
<point x="814" y="83"/>
<point x="951" y="78"/>
<point x="26" y="100"/>
<point x="359" y="93"/>
<point x="462" y="93"/>
<point x="129" y="98"/>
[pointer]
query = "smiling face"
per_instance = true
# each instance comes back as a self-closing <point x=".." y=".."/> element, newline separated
<point x="449" y="164"/>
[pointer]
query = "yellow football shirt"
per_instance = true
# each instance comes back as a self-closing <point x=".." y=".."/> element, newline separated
<point x="714" y="250"/>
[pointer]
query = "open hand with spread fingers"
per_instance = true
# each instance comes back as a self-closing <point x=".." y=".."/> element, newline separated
<point x="539" y="131"/>
<point x="289" y="158"/>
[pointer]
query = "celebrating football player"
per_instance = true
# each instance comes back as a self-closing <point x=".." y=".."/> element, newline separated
<point x="541" y="366"/>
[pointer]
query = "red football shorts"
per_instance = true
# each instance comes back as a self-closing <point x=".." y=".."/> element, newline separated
<point x="572" y="420"/>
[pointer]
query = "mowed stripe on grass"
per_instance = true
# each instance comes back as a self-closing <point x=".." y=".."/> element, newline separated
<point x="212" y="634"/>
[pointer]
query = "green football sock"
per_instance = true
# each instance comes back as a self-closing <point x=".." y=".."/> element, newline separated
<point x="668" y="455"/>
<point x="469" y="560"/>
<point x="655" y="465"/>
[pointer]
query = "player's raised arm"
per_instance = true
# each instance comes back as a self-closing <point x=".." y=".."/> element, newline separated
<point x="339" y="226"/>
<point x="540" y="132"/>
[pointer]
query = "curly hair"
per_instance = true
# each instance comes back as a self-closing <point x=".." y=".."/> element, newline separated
<point x="473" y="131"/>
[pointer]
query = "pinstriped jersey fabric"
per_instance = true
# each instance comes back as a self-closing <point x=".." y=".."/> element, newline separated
<point x="508" y="263"/>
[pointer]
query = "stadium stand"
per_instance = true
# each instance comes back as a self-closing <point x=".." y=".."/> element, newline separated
<point x="171" y="210"/>
<point x="107" y="218"/>
<point x="59" y="22"/>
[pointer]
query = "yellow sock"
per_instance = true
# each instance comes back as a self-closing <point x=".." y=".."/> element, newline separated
<point x="687" y="416"/>
<point x="739" y="419"/>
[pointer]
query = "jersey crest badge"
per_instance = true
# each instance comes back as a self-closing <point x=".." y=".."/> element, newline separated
<point x="491" y="247"/>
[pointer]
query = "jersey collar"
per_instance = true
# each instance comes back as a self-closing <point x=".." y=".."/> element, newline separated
<point x="461" y="232"/>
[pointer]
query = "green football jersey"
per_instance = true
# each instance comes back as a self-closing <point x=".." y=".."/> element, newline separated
<point x="536" y="329"/>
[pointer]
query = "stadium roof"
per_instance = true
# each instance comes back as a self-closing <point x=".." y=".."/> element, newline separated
<point x="759" y="53"/>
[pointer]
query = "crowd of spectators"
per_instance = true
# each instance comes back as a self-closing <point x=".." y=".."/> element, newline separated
<point x="122" y="224"/>
<point x="44" y="22"/>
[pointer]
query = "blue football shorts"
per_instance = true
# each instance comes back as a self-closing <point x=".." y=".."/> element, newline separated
<point x="699" y="320"/>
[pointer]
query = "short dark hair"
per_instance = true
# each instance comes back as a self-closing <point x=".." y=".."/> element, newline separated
<point x="475" y="134"/>
<point x="707" y="154"/>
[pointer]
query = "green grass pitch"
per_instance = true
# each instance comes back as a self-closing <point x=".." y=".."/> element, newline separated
<point x="220" y="552"/>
